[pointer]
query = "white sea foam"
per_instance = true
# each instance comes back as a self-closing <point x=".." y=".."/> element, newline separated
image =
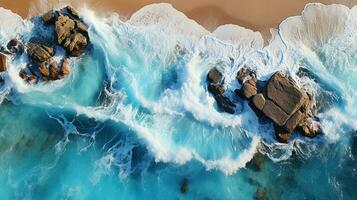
<point x="239" y="36"/>
<point x="10" y="23"/>
<point x="164" y="16"/>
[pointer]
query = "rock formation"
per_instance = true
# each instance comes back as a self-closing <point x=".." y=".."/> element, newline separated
<point x="281" y="100"/>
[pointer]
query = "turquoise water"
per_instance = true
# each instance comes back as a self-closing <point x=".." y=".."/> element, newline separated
<point x="134" y="120"/>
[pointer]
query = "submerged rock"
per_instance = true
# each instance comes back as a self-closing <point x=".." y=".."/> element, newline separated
<point x="257" y="162"/>
<point x="3" y="61"/>
<point x="40" y="53"/>
<point x="260" y="194"/>
<point x="184" y="186"/>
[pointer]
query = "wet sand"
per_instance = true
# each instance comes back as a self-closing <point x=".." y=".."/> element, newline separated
<point x="258" y="15"/>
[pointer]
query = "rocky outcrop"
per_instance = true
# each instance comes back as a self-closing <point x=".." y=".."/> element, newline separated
<point x="280" y="100"/>
<point x="286" y="105"/>
<point x="71" y="33"/>
<point x="285" y="93"/>
<point x="215" y="87"/>
<point x="3" y="60"/>
<point x="39" y="52"/>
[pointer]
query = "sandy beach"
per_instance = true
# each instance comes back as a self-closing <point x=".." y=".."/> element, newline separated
<point x="258" y="15"/>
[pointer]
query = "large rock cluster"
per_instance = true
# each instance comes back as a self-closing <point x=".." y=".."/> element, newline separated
<point x="71" y="33"/>
<point x="280" y="100"/>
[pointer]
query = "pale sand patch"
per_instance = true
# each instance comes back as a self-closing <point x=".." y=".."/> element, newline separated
<point x="258" y="15"/>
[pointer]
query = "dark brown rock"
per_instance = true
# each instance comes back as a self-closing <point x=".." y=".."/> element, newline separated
<point x="65" y="69"/>
<point x="248" y="90"/>
<point x="15" y="46"/>
<point x="13" y="43"/>
<point x="184" y="186"/>
<point x="40" y="53"/>
<point x="259" y="101"/>
<point x="293" y="121"/>
<point x="281" y="134"/>
<point x="3" y="60"/>
<point x="214" y="76"/>
<point x="225" y="104"/>
<point x="53" y="71"/>
<point x="78" y="44"/>
<point x="44" y="71"/>
<point x="275" y="113"/>
<point x="215" y="89"/>
<point x="31" y="79"/>
<point x="285" y="93"/>
<point x="257" y="162"/>
<point x="22" y="74"/>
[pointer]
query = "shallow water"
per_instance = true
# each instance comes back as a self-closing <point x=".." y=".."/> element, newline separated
<point x="135" y="121"/>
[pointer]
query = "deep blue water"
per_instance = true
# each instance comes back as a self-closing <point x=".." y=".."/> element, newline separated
<point x="134" y="120"/>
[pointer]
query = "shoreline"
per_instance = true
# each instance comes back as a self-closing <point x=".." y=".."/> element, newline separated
<point x="257" y="15"/>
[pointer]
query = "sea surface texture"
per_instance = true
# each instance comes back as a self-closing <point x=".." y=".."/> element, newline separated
<point x="134" y="120"/>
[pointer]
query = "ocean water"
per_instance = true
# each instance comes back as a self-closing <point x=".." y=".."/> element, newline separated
<point x="134" y="120"/>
